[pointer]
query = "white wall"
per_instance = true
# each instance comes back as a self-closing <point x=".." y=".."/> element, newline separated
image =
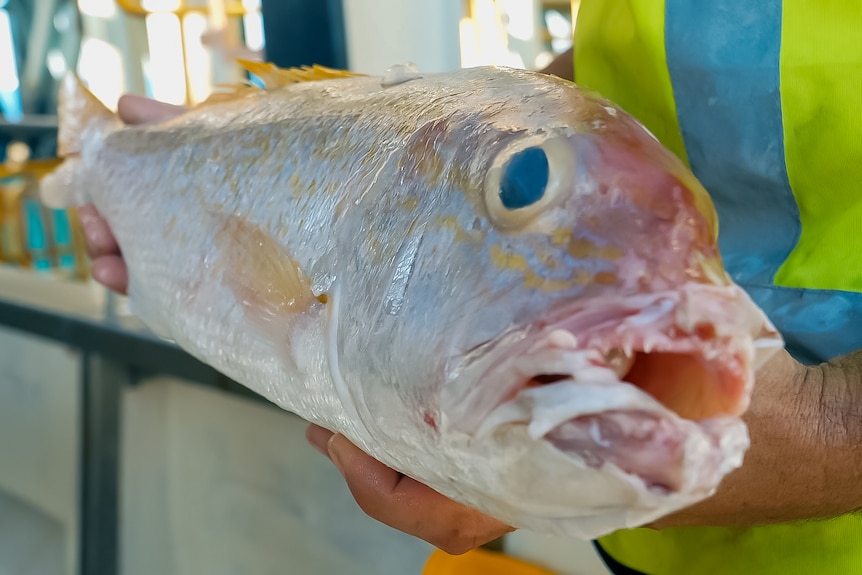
<point x="218" y="484"/>
<point x="381" y="33"/>
<point x="39" y="406"/>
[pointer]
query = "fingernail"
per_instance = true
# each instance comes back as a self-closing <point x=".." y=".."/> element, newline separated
<point x="335" y="447"/>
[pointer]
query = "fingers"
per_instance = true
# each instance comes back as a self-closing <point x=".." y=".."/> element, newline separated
<point x="403" y="503"/>
<point x="139" y="110"/>
<point x="111" y="272"/>
<point x="109" y="269"/>
<point x="100" y="238"/>
<point x="409" y="506"/>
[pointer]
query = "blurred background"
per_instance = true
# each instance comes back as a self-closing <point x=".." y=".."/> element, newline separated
<point x="119" y="454"/>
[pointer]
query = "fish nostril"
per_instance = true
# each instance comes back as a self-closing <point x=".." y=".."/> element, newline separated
<point x="620" y="361"/>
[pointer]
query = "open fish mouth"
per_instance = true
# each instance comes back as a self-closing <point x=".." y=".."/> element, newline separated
<point x="648" y="386"/>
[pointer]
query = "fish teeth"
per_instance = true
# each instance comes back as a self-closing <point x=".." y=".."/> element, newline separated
<point x="562" y="338"/>
<point x="683" y="319"/>
<point x="649" y="345"/>
<point x="710" y="353"/>
<point x="619" y="362"/>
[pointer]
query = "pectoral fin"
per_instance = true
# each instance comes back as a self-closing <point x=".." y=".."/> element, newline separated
<point x="266" y="280"/>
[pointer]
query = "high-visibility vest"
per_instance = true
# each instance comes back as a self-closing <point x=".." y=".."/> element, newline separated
<point x="763" y="100"/>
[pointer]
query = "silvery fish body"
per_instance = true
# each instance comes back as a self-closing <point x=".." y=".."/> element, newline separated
<point x="491" y="280"/>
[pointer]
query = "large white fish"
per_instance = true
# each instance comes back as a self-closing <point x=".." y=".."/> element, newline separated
<point x="489" y="279"/>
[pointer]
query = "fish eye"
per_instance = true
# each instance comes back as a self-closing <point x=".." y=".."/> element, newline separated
<point x="524" y="179"/>
<point x="528" y="177"/>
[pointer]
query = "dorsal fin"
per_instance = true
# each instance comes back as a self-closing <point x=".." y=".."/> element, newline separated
<point x="228" y="92"/>
<point x="275" y="77"/>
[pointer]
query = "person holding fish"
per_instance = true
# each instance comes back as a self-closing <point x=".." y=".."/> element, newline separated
<point x="761" y="100"/>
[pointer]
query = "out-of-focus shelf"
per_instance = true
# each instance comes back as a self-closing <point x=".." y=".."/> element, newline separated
<point x="557" y="4"/>
<point x="29" y="125"/>
<point x="116" y="350"/>
<point x="76" y="314"/>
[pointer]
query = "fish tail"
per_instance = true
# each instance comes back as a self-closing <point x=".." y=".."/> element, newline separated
<point x="81" y="117"/>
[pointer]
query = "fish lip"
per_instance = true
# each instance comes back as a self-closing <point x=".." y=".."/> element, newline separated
<point x="572" y="414"/>
<point x="718" y="324"/>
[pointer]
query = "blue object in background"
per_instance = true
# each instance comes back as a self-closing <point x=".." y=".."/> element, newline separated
<point x="37" y="237"/>
<point x="302" y="33"/>
<point x="10" y="106"/>
<point x="10" y="86"/>
<point x="63" y="240"/>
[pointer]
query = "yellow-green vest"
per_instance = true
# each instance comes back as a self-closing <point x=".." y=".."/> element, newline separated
<point x="763" y="100"/>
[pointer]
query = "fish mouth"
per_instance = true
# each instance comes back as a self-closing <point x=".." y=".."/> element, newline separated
<point x="651" y="387"/>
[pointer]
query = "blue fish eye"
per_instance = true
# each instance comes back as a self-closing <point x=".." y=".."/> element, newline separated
<point x="524" y="179"/>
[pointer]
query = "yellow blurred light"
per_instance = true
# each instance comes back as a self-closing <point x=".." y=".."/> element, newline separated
<point x="198" y="61"/>
<point x="17" y="153"/>
<point x="154" y="6"/>
<point x="522" y="21"/>
<point x="100" y="65"/>
<point x="253" y="28"/>
<point x="166" y="67"/>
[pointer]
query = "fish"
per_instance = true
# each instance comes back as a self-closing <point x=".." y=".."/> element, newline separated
<point x="492" y="280"/>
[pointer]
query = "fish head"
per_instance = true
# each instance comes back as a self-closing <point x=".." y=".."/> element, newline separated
<point x="623" y="345"/>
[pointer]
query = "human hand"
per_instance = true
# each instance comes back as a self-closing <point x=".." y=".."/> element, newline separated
<point x="403" y="503"/>
<point x="774" y="485"/>
<point x="109" y="269"/>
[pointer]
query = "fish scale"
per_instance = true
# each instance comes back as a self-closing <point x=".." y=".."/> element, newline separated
<point x="374" y="255"/>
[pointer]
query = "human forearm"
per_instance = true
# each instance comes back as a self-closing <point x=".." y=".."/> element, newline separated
<point x="804" y="461"/>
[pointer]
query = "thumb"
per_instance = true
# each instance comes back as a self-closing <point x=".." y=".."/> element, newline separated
<point x="139" y="110"/>
<point x="344" y="454"/>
